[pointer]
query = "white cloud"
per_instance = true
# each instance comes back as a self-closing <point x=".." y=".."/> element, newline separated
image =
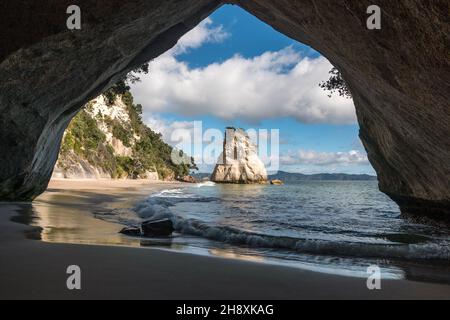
<point x="274" y="84"/>
<point x="308" y="157"/>
<point x="167" y="128"/>
<point x="203" y="33"/>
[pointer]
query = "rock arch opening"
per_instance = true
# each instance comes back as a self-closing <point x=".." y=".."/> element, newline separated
<point x="400" y="91"/>
<point x="231" y="71"/>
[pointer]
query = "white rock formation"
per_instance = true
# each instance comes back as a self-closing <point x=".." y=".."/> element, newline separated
<point x="239" y="161"/>
<point x="99" y="109"/>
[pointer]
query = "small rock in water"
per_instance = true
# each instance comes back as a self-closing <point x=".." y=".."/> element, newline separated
<point x="188" y="179"/>
<point x="131" y="231"/>
<point x="276" y="182"/>
<point x="162" y="227"/>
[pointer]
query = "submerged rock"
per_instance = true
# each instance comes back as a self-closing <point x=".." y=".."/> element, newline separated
<point x="161" y="227"/>
<point x="239" y="161"/>
<point x="131" y="231"/>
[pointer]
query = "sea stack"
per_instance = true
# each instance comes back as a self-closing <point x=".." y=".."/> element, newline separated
<point x="239" y="162"/>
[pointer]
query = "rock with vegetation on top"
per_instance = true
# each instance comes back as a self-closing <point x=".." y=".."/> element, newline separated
<point x="239" y="161"/>
<point x="108" y="139"/>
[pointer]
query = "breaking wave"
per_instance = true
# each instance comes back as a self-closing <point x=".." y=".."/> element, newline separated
<point x="160" y="206"/>
<point x="206" y="184"/>
<point x="313" y="246"/>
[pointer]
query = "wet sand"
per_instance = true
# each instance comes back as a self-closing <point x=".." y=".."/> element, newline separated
<point x="37" y="269"/>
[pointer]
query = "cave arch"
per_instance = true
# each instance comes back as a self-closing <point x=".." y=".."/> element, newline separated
<point x="398" y="77"/>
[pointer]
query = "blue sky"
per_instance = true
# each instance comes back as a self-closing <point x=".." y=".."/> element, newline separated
<point x="234" y="70"/>
<point x="248" y="36"/>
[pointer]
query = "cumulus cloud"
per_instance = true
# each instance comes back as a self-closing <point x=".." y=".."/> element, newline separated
<point x="167" y="128"/>
<point x="308" y="157"/>
<point x="205" y="32"/>
<point x="271" y="85"/>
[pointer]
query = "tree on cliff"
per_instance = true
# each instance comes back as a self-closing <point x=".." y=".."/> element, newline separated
<point x="336" y="84"/>
<point x="122" y="86"/>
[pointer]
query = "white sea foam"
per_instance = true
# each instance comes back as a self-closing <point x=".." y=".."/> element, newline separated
<point x="159" y="206"/>
<point x="206" y="184"/>
<point x="437" y="251"/>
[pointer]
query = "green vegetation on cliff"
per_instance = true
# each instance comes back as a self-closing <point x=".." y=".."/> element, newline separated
<point x="84" y="141"/>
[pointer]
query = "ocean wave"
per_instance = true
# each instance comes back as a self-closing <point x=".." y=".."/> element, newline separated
<point x="159" y="206"/>
<point x="206" y="184"/>
<point x="312" y="246"/>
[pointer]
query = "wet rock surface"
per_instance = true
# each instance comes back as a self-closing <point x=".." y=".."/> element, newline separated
<point x="131" y="231"/>
<point x="150" y="228"/>
<point x="157" y="228"/>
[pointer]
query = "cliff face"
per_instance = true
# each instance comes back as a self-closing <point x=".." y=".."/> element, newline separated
<point x="107" y="139"/>
<point x="398" y="77"/>
<point x="239" y="161"/>
<point x="97" y="140"/>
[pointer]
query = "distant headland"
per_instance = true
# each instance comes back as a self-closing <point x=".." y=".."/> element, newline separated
<point x="295" y="176"/>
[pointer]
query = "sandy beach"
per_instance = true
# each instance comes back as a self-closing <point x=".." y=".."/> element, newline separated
<point x="36" y="269"/>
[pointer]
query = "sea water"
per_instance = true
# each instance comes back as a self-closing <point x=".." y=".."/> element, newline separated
<point x="329" y="226"/>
